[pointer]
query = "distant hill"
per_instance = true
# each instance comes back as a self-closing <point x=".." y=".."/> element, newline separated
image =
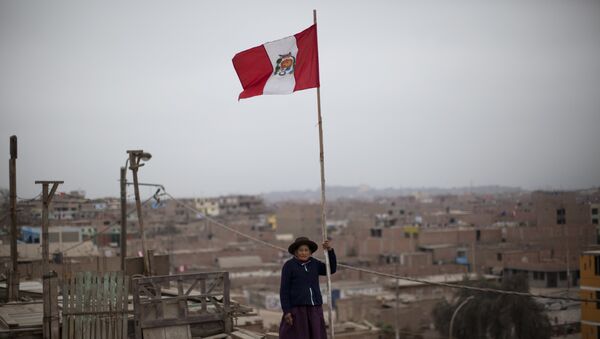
<point x="369" y="193"/>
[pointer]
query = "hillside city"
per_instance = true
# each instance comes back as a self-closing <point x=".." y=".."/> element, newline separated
<point x="457" y="238"/>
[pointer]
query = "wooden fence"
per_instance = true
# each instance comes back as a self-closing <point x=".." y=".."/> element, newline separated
<point x="95" y="306"/>
<point x="177" y="302"/>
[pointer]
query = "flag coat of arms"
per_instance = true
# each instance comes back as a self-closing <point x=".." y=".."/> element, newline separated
<point x="279" y="67"/>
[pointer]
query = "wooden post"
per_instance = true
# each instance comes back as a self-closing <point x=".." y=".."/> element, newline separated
<point x="226" y="303"/>
<point x="45" y="236"/>
<point x="138" y="204"/>
<point x="323" y="215"/>
<point x="135" y="157"/>
<point x="151" y="264"/>
<point x="13" y="283"/>
<point x="137" y="310"/>
<point x="46" y="199"/>
<point x="50" y="319"/>
<point x="123" y="217"/>
<point x="397" y="290"/>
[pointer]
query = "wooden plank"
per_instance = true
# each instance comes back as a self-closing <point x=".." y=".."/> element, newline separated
<point x="84" y="300"/>
<point x="74" y="296"/>
<point x="137" y="309"/>
<point x="79" y="302"/>
<point x="215" y="282"/>
<point x="54" y="321"/>
<point x="71" y="305"/>
<point x="191" y="319"/>
<point x="194" y="284"/>
<point x="202" y="293"/>
<point x="92" y="284"/>
<point x="117" y="317"/>
<point x="65" y="308"/>
<point x="125" y="302"/>
<point x="226" y="305"/>
<point x="113" y="300"/>
<point x="26" y="315"/>
<point x="153" y="310"/>
<point x="170" y="332"/>
<point x="144" y="289"/>
<point x="101" y="304"/>
<point x="188" y="276"/>
<point x="7" y="320"/>
<point x="107" y="301"/>
<point x="97" y="307"/>
<point x="181" y="300"/>
<point x="46" y="296"/>
<point x="108" y="282"/>
<point x="160" y="312"/>
<point x="84" y="305"/>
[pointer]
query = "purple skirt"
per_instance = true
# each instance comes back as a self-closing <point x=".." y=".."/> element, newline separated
<point x="308" y="323"/>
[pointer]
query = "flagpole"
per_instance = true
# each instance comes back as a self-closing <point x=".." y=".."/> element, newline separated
<point x="323" y="217"/>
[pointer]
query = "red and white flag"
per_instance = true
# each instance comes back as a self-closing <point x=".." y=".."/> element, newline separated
<point x="279" y="67"/>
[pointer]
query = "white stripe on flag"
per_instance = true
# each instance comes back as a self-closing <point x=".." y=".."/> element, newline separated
<point x="282" y="82"/>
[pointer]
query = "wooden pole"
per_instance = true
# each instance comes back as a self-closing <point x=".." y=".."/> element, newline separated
<point x="13" y="283"/>
<point x="51" y="328"/>
<point x="46" y="199"/>
<point x="138" y="205"/>
<point x="123" y="218"/>
<point x="50" y="319"/>
<point x="397" y="282"/>
<point x="45" y="236"/>
<point x="323" y="215"/>
<point x="134" y="165"/>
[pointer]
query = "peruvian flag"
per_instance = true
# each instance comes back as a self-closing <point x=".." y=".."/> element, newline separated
<point x="279" y="67"/>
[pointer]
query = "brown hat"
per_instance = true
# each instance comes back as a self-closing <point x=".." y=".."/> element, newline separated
<point x="312" y="246"/>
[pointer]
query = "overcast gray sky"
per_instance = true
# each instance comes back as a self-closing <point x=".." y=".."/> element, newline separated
<point x="419" y="93"/>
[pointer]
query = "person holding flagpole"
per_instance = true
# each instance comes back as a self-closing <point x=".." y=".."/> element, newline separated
<point x="285" y="66"/>
<point x="300" y="294"/>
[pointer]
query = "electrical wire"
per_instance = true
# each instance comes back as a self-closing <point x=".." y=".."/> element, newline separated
<point x="21" y="200"/>
<point x="108" y="227"/>
<point x="387" y="275"/>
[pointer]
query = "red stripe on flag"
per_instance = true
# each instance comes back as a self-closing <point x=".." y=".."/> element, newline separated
<point x="254" y="68"/>
<point x="307" y="60"/>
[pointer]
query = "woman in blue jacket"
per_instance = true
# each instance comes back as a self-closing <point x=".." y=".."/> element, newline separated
<point x="300" y="294"/>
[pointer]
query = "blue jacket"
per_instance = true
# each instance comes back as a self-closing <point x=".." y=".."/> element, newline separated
<point x="300" y="281"/>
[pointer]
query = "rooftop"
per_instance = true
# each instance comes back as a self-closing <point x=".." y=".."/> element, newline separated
<point x="239" y="261"/>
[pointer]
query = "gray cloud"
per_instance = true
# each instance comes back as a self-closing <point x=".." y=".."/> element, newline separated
<point x="422" y="93"/>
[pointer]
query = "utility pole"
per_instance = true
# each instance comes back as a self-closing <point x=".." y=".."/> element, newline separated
<point x="13" y="283"/>
<point x="50" y="291"/>
<point x="397" y="306"/>
<point x="568" y="258"/>
<point x="123" y="217"/>
<point x="46" y="199"/>
<point x="135" y="156"/>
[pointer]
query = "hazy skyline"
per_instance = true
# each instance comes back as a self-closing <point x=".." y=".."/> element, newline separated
<point x="414" y="94"/>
